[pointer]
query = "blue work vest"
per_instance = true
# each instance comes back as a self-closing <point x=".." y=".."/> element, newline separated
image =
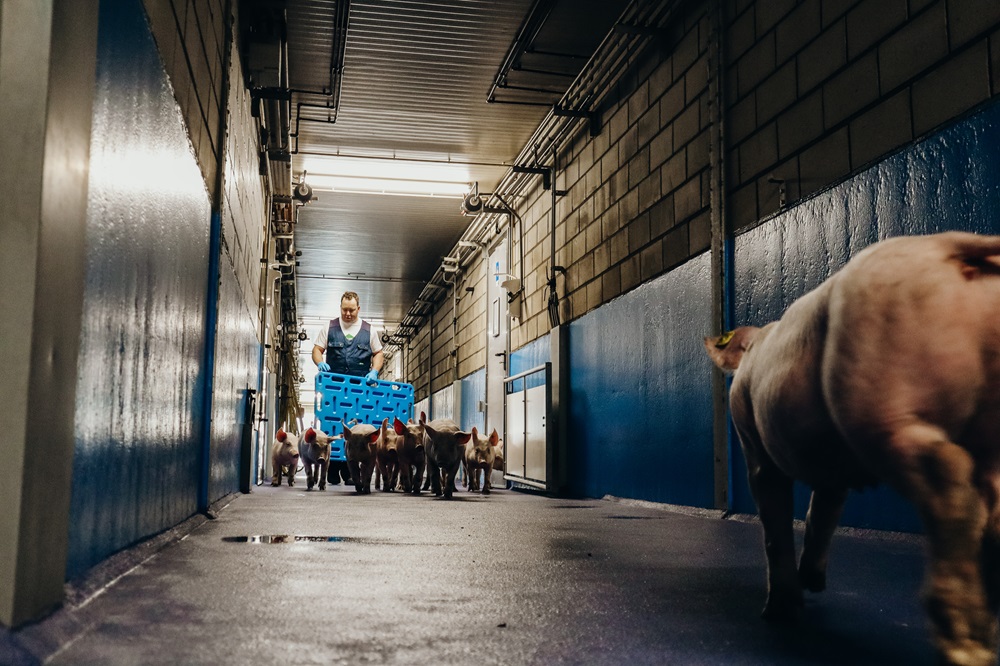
<point x="349" y="358"/>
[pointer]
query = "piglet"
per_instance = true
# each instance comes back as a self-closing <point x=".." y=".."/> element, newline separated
<point x="359" y="446"/>
<point x="445" y="446"/>
<point x="480" y="455"/>
<point x="410" y="453"/>
<point x="314" y="451"/>
<point x="887" y="372"/>
<point x="387" y="457"/>
<point x="284" y="457"/>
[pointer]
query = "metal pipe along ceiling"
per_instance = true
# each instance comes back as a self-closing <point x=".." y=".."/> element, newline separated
<point x="616" y="52"/>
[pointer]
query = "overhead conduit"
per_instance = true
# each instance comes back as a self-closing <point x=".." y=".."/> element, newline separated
<point x="632" y="32"/>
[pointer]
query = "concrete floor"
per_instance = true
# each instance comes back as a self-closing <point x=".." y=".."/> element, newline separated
<point x="512" y="578"/>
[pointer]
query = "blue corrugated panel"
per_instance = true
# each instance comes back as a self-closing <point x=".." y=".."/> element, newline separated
<point x="345" y="398"/>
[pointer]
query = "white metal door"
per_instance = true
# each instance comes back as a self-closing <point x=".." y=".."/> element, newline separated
<point x="498" y="326"/>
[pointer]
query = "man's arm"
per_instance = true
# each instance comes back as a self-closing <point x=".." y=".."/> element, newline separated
<point x="318" y="354"/>
<point x="377" y="360"/>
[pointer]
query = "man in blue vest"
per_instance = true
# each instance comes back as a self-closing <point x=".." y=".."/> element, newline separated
<point x="349" y="346"/>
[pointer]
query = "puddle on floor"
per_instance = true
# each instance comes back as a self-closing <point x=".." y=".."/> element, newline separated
<point x="287" y="538"/>
<point x="634" y="518"/>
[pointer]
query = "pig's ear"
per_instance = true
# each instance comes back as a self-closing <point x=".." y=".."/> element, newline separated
<point x="430" y="431"/>
<point x="463" y="437"/>
<point x="399" y="427"/>
<point x="423" y="417"/>
<point x="374" y="436"/>
<point x="494" y="437"/>
<point x="310" y="435"/>
<point x="475" y="433"/>
<point x="727" y="350"/>
<point x="347" y="429"/>
<point x="281" y="435"/>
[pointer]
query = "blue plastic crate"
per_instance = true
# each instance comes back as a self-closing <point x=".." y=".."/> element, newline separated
<point x="345" y="398"/>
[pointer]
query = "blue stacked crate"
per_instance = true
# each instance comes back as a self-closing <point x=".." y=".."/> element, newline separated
<point x="353" y="399"/>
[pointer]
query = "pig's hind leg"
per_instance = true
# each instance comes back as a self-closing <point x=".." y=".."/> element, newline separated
<point x="991" y="542"/>
<point x="772" y="491"/>
<point x="825" y="506"/>
<point x="937" y="475"/>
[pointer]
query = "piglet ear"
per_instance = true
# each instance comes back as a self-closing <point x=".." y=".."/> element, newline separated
<point x="423" y="417"/>
<point x="347" y="430"/>
<point x="494" y="438"/>
<point x="374" y="436"/>
<point x="462" y="437"/>
<point x="310" y="435"/>
<point x="475" y="433"/>
<point x="280" y="435"/>
<point x="398" y="426"/>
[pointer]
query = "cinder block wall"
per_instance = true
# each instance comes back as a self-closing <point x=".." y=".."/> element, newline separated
<point x="818" y="89"/>
<point x="190" y="35"/>
<point x="813" y="91"/>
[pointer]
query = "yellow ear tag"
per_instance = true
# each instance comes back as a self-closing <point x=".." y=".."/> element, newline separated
<point x="725" y="339"/>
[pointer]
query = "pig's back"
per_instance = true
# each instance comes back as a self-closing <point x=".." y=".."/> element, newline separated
<point x="914" y="333"/>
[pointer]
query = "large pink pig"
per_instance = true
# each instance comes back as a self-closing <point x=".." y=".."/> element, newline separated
<point x="284" y="457"/>
<point x="888" y="371"/>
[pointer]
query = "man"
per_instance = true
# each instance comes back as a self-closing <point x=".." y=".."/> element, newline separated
<point x="349" y="346"/>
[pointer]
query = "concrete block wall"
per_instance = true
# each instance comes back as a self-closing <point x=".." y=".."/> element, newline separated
<point x="190" y="35"/>
<point x="636" y="202"/>
<point x="472" y="318"/>
<point x="813" y="90"/>
<point x="818" y="89"/>
<point x="245" y="213"/>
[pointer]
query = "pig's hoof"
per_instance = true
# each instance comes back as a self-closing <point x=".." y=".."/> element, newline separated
<point x="486" y="491"/>
<point x="782" y="607"/>
<point x="322" y="486"/>
<point x="966" y="653"/>
<point x="812" y="580"/>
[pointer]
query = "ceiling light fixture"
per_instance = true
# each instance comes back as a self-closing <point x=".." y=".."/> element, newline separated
<point x="387" y="176"/>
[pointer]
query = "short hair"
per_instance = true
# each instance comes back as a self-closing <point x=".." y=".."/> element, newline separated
<point x="350" y="296"/>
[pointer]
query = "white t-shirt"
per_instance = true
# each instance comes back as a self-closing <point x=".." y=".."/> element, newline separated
<point x="349" y="333"/>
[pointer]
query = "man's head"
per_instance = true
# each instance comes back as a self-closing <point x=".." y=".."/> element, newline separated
<point x="349" y="307"/>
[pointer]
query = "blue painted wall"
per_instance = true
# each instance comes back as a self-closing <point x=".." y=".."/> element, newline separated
<point x="641" y="405"/>
<point x="528" y="357"/>
<point x="236" y="365"/>
<point x="138" y="418"/>
<point x="473" y="391"/>
<point x="949" y="181"/>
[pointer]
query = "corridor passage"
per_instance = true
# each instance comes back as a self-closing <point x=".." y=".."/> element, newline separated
<point x="512" y="578"/>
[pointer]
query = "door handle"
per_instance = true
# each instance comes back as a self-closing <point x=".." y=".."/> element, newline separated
<point x="503" y="359"/>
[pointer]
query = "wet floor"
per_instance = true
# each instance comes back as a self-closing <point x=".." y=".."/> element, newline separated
<point x="289" y="576"/>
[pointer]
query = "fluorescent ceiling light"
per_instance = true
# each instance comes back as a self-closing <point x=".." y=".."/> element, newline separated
<point x="365" y="184"/>
<point x="387" y="176"/>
